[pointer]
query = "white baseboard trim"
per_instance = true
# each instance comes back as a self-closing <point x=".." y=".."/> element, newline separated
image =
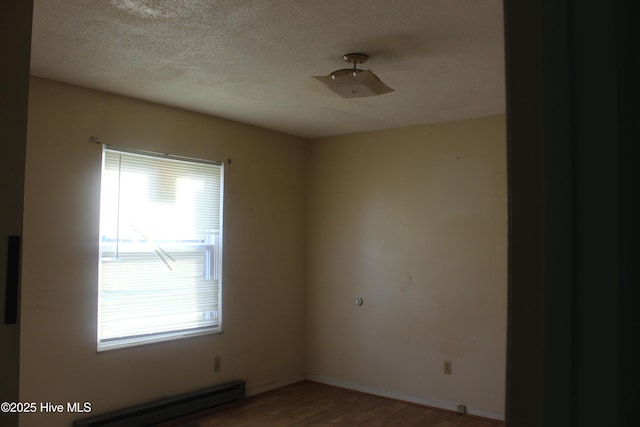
<point x="421" y="400"/>
<point x="252" y="391"/>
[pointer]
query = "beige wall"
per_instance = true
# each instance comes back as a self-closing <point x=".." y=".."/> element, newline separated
<point x="414" y="221"/>
<point x="264" y="258"/>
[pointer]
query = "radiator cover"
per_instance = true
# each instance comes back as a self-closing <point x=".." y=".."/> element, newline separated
<point x="152" y="413"/>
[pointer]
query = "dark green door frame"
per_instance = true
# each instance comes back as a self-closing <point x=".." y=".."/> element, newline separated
<point x="15" y="48"/>
<point x="572" y="99"/>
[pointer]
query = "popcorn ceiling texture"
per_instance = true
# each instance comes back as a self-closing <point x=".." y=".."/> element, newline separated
<point x="252" y="60"/>
<point x="152" y="9"/>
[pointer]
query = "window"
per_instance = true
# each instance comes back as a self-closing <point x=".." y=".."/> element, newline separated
<point x="160" y="248"/>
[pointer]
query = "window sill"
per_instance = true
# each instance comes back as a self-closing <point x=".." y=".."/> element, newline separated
<point x="152" y="339"/>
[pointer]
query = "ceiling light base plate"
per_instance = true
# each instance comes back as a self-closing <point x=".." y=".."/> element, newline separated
<point x="355" y="58"/>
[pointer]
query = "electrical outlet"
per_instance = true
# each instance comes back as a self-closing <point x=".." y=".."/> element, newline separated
<point x="216" y="364"/>
<point x="447" y="367"/>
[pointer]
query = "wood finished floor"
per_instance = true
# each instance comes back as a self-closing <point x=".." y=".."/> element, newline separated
<point x="311" y="404"/>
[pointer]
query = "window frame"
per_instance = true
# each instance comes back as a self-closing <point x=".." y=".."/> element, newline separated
<point x="208" y="259"/>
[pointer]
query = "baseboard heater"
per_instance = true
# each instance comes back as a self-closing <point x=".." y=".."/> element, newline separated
<point x="159" y="411"/>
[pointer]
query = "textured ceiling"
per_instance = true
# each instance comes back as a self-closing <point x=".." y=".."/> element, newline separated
<point x="252" y="60"/>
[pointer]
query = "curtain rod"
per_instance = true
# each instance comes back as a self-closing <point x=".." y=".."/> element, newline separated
<point x="96" y="140"/>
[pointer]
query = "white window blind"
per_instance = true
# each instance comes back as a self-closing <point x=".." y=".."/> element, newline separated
<point x="160" y="248"/>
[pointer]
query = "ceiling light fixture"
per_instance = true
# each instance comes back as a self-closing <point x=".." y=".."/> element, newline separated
<point x="353" y="82"/>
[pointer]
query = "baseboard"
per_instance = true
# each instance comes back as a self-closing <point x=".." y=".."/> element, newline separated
<point x="162" y="410"/>
<point x="252" y="391"/>
<point x="420" y="400"/>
